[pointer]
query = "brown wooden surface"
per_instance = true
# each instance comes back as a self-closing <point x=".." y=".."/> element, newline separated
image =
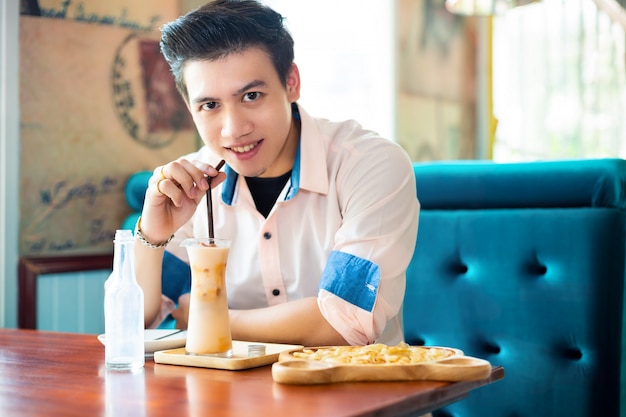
<point x="238" y="361"/>
<point x="293" y="370"/>
<point x="29" y="269"/>
<point x="61" y="374"/>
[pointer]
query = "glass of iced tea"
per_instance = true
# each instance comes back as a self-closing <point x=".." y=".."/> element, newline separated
<point x="208" y="327"/>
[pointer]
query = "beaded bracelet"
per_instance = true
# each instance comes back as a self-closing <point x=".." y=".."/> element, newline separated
<point x="145" y="241"/>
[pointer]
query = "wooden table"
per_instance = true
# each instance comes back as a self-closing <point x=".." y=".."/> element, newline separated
<point x="61" y="374"/>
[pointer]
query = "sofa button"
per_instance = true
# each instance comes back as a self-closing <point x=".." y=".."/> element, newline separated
<point x="573" y="353"/>
<point x="492" y="348"/>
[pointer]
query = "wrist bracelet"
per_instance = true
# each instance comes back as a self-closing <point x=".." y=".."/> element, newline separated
<point x="145" y="241"/>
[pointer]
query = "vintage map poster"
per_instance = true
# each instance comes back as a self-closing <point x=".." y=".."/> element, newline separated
<point x="97" y="103"/>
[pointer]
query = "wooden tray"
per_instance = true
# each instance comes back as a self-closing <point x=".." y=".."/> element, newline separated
<point x="239" y="360"/>
<point x="457" y="367"/>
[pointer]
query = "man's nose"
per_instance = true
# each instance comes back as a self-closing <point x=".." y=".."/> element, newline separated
<point x="235" y="124"/>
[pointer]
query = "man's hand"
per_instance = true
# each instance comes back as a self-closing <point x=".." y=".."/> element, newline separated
<point x="181" y="314"/>
<point x="174" y="191"/>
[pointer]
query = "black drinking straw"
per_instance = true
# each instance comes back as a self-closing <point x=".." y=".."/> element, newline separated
<point x="209" y="202"/>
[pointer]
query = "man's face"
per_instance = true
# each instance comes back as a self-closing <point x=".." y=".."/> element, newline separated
<point x="243" y="112"/>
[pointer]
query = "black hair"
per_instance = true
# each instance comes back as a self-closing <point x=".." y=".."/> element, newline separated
<point x="224" y="27"/>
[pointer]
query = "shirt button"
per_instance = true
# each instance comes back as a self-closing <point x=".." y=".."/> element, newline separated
<point x="267" y="235"/>
<point x="276" y="291"/>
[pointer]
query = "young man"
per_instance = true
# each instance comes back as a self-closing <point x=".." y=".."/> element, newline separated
<point x="322" y="216"/>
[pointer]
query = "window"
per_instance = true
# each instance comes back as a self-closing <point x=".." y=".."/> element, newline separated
<point x="344" y="50"/>
<point x="559" y="82"/>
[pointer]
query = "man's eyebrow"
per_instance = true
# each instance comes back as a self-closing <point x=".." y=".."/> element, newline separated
<point x="199" y="100"/>
<point x="250" y="85"/>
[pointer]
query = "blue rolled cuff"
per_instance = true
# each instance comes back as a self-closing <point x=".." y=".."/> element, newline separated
<point x="352" y="279"/>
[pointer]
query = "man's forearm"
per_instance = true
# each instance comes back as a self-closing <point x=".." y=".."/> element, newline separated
<point x="148" y="266"/>
<point x="295" y="322"/>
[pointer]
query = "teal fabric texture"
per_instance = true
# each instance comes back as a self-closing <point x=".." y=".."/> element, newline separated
<point x="485" y="184"/>
<point x="135" y="192"/>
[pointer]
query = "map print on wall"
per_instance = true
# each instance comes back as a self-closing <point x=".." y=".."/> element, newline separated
<point x="97" y="103"/>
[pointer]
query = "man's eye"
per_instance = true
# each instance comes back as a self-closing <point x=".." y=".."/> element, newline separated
<point x="209" y="106"/>
<point x="252" y="96"/>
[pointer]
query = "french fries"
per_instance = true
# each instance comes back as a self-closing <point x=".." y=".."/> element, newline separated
<point x="401" y="354"/>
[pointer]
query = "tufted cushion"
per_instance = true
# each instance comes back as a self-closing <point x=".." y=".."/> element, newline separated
<point x="135" y="192"/>
<point x="484" y="184"/>
<point x="539" y="291"/>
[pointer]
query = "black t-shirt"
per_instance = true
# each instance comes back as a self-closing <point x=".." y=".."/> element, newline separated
<point x="265" y="191"/>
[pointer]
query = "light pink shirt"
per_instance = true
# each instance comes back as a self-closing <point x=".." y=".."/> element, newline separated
<point x="343" y="229"/>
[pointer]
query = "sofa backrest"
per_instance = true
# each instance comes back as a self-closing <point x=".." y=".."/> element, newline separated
<point x="523" y="264"/>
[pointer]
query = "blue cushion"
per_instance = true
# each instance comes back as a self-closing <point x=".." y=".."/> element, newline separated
<point x="130" y="221"/>
<point x="484" y="184"/>
<point x="135" y="189"/>
<point x="176" y="281"/>
<point x="176" y="277"/>
<point x="538" y="291"/>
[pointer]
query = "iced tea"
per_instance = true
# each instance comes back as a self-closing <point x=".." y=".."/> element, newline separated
<point x="208" y="329"/>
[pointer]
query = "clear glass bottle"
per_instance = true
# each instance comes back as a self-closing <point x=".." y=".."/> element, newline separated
<point x="123" y="309"/>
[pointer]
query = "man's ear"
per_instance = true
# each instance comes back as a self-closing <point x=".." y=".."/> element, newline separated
<point x="293" y="83"/>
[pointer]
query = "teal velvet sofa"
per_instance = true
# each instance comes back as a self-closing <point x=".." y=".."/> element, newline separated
<point x="522" y="264"/>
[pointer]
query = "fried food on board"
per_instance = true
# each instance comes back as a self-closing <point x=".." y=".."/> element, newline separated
<point x="378" y="353"/>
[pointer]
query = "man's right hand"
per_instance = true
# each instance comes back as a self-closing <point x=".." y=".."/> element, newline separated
<point x="174" y="191"/>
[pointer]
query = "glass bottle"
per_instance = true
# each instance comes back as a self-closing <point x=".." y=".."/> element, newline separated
<point x="123" y="309"/>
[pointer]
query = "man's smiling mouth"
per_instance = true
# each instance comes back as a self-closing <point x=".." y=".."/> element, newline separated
<point x="245" y="148"/>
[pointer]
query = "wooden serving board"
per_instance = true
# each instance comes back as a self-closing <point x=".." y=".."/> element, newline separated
<point x="239" y="360"/>
<point x="457" y="367"/>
